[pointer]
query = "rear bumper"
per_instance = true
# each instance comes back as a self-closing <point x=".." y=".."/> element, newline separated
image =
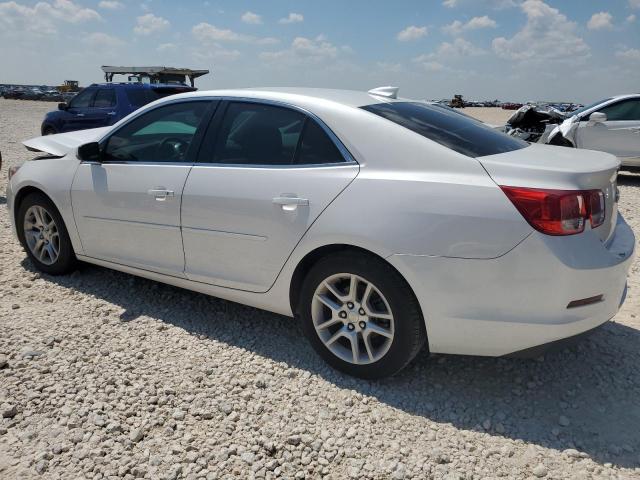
<point x="511" y="303"/>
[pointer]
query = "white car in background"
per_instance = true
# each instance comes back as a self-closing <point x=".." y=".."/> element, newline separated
<point x="611" y="125"/>
<point x="383" y="224"/>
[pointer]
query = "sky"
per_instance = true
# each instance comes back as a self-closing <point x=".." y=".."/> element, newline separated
<point x="518" y="50"/>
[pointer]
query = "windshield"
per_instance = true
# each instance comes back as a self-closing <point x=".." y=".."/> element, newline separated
<point x="588" y="107"/>
<point x="451" y="129"/>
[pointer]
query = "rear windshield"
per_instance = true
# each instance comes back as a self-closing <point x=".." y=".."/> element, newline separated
<point x="141" y="96"/>
<point x="457" y="132"/>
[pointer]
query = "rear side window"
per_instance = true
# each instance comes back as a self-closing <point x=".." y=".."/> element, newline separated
<point x="316" y="146"/>
<point x="457" y="132"/>
<point x="105" y="98"/>
<point x="139" y="97"/>
<point x="627" y="110"/>
<point x="256" y="134"/>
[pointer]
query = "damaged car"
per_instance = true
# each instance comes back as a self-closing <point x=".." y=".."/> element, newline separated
<point x="611" y="125"/>
<point x="534" y="123"/>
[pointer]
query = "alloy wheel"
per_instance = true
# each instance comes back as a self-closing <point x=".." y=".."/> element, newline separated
<point x="41" y="234"/>
<point x="352" y="318"/>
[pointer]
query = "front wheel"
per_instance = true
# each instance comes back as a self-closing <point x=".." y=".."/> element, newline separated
<point x="360" y="315"/>
<point x="44" y="236"/>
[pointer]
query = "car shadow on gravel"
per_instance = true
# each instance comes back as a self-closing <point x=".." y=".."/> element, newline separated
<point x="586" y="397"/>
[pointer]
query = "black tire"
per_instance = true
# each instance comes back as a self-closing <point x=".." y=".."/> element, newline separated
<point x="66" y="261"/>
<point x="48" y="130"/>
<point x="409" y="335"/>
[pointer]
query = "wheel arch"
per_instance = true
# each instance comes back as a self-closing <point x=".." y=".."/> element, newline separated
<point x="311" y="258"/>
<point x="22" y="193"/>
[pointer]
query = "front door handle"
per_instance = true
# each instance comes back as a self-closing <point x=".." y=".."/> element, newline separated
<point x="79" y="114"/>
<point x="161" y="193"/>
<point x="111" y="113"/>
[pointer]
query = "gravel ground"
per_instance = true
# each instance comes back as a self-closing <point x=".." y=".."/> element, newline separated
<point x="104" y="375"/>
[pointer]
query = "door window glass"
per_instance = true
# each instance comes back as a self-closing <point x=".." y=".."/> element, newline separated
<point x="256" y="134"/>
<point x="316" y="146"/>
<point x="83" y="99"/>
<point x="161" y="135"/>
<point x="623" y="111"/>
<point x="105" y="98"/>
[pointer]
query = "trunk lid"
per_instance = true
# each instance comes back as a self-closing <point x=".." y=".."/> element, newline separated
<point x="560" y="168"/>
<point x="62" y="143"/>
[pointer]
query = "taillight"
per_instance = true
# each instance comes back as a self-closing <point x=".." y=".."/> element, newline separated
<point x="558" y="212"/>
<point x="596" y="208"/>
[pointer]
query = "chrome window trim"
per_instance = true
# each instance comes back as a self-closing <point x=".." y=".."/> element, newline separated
<point x="346" y="154"/>
<point x="141" y="112"/>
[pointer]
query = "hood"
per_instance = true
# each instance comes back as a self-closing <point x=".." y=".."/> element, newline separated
<point x="62" y="143"/>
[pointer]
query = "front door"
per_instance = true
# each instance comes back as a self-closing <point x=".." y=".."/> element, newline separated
<point x="127" y="207"/>
<point x="267" y="172"/>
<point x="75" y="117"/>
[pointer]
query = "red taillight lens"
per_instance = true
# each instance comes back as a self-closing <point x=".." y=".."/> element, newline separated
<point x="558" y="212"/>
<point x="596" y="208"/>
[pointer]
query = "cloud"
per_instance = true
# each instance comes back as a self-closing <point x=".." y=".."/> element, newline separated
<point x="308" y="51"/>
<point x="110" y="5"/>
<point x="457" y="27"/>
<point x="459" y="48"/>
<point x="428" y="64"/>
<point x="43" y="18"/>
<point x="450" y="3"/>
<point x="150" y="23"/>
<point x="600" y="21"/>
<point x="547" y="35"/>
<point x="207" y="33"/>
<point x="166" y="47"/>
<point x="629" y="54"/>
<point x="631" y="18"/>
<point x="292" y="18"/>
<point x="251" y="18"/>
<point x="99" y="40"/>
<point x="634" y="3"/>
<point x="412" y="33"/>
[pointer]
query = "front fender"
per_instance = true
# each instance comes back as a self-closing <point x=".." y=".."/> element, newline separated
<point x="53" y="177"/>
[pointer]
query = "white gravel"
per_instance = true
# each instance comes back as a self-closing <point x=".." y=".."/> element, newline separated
<point x="103" y="375"/>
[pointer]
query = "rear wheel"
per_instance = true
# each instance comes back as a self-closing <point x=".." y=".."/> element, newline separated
<point x="48" y="131"/>
<point x="44" y="235"/>
<point x="360" y="315"/>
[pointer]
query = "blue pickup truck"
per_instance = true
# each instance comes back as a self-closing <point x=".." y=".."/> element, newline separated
<point x="103" y="104"/>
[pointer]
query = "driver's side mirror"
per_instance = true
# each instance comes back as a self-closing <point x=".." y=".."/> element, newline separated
<point x="597" y="117"/>
<point x="90" y="152"/>
<point x="63" y="106"/>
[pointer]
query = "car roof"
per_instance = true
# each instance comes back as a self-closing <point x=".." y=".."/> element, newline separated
<point x="351" y="98"/>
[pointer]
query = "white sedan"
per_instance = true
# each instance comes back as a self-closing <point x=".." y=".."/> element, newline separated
<point x="611" y="125"/>
<point x="383" y="224"/>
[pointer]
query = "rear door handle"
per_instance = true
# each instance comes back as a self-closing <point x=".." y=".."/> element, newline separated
<point x="79" y="114"/>
<point x="111" y="113"/>
<point x="290" y="201"/>
<point x="160" y="193"/>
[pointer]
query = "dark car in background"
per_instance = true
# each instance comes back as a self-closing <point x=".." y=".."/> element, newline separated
<point x="101" y="105"/>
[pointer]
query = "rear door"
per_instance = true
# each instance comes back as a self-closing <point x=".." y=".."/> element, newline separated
<point x="619" y="135"/>
<point x="264" y="174"/>
<point x="127" y="208"/>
